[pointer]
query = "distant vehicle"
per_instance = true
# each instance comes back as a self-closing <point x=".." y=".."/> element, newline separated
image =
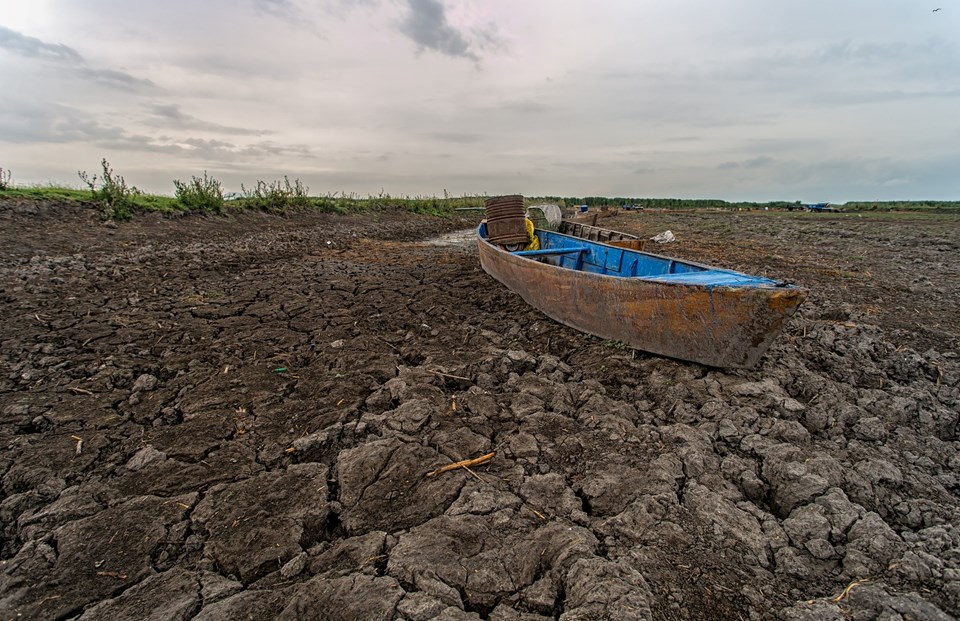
<point x="822" y="207"/>
<point x="232" y="196"/>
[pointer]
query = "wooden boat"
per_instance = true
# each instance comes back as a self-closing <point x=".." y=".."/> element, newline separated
<point x="591" y="217"/>
<point x="596" y="233"/>
<point x="657" y="304"/>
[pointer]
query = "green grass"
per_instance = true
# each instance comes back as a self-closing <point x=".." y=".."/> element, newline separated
<point x="142" y="202"/>
<point x="331" y="203"/>
<point x="157" y="202"/>
<point x="343" y="203"/>
<point x="47" y="192"/>
<point x="906" y="215"/>
<point x="109" y="192"/>
<point x="886" y="206"/>
<point x="117" y="200"/>
<point x="886" y="216"/>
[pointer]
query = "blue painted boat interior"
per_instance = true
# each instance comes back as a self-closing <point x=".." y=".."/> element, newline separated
<point x="597" y="258"/>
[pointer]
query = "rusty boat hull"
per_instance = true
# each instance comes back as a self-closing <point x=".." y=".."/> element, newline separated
<point x="653" y="303"/>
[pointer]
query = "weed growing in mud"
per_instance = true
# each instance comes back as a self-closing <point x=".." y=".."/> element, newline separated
<point x="200" y="194"/>
<point x="277" y="197"/>
<point x="431" y="206"/>
<point x="4" y="178"/>
<point x="424" y="205"/>
<point x="111" y="191"/>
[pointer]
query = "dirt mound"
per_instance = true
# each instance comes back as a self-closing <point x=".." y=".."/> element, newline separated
<point x="213" y="418"/>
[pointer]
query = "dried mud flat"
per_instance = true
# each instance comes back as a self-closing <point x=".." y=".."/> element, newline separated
<point x="220" y="419"/>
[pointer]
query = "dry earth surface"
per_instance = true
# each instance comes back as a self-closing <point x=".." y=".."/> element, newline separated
<point x="234" y="418"/>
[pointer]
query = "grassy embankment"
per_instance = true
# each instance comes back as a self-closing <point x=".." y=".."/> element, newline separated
<point x="142" y="202"/>
<point x="118" y="201"/>
<point x="109" y="192"/>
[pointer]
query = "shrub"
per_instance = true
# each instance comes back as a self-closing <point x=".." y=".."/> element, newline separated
<point x="4" y="178"/>
<point x="111" y="191"/>
<point x="276" y="197"/>
<point x="200" y="194"/>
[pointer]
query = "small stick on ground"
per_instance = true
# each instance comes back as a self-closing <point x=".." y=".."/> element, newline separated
<point x="112" y="574"/>
<point x="80" y="391"/>
<point x="477" y="476"/>
<point x="537" y="513"/>
<point x="849" y="588"/>
<point x="466" y="379"/>
<point x="466" y="463"/>
<point x="388" y="344"/>
<point x="45" y="600"/>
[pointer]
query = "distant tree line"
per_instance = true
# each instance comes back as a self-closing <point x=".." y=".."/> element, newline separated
<point x="902" y="206"/>
<point x="674" y="203"/>
<point x="708" y="203"/>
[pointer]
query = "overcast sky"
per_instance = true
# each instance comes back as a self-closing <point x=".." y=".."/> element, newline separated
<point x="822" y="100"/>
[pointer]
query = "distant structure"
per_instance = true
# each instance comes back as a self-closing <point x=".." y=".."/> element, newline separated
<point x="816" y="207"/>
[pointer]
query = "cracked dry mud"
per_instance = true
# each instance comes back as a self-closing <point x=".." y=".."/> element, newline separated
<point x="232" y="418"/>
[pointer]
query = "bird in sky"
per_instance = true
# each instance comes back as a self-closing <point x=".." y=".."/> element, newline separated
<point x="935" y="10"/>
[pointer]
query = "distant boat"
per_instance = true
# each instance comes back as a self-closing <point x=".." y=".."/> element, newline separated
<point x="664" y="306"/>
<point x="590" y="217"/>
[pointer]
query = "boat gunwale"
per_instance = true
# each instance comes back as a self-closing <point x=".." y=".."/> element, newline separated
<point x="772" y="285"/>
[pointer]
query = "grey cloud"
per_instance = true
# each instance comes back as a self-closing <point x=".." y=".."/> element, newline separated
<point x="834" y="73"/>
<point x="932" y="61"/>
<point x="893" y="51"/>
<point x="427" y="26"/>
<point x="73" y="129"/>
<point x="290" y="12"/>
<point x="754" y="162"/>
<point x="21" y="123"/>
<point x="866" y="97"/>
<point x="138" y="142"/>
<point x="779" y="145"/>
<point x="456" y="137"/>
<point x="225" y="151"/>
<point x="112" y="78"/>
<point x="170" y="116"/>
<point x="228" y="66"/>
<point x="284" y="9"/>
<point x="488" y="38"/>
<point x="309" y="14"/>
<point x="860" y="178"/>
<point x="68" y="59"/>
<point x="525" y="107"/>
<point x="208" y="150"/>
<point x="31" y="47"/>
